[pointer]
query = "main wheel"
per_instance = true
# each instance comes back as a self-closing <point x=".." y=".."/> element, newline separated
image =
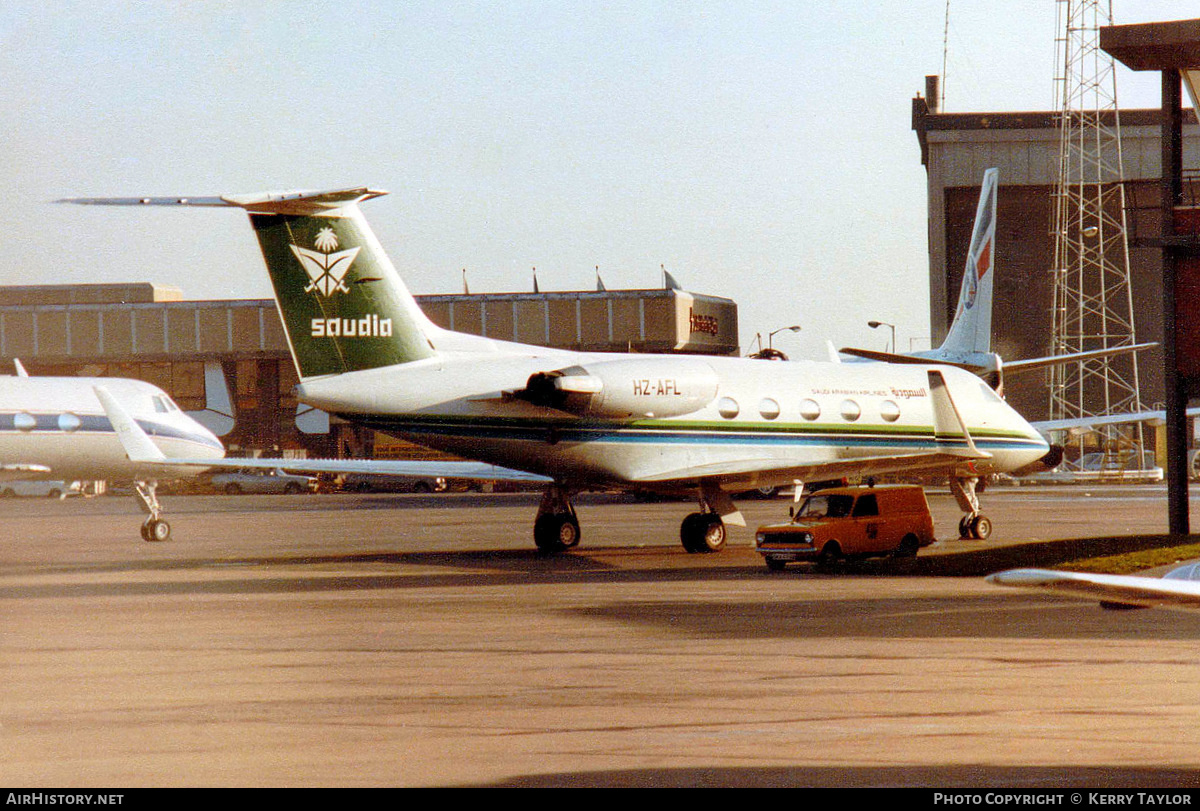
<point x="702" y="532"/>
<point x="556" y="532"/>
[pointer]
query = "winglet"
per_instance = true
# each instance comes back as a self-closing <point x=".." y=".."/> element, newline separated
<point x="948" y="423"/>
<point x="136" y="442"/>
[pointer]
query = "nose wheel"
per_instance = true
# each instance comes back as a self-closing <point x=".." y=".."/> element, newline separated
<point x="155" y="529"/>
<point x="974" y="527"/>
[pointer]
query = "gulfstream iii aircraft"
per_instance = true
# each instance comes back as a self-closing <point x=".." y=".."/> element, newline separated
<point x="366" y="352"/>
<point x="56" y="428"/>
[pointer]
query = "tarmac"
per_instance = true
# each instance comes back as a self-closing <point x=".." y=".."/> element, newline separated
<point x="396" y="640"/>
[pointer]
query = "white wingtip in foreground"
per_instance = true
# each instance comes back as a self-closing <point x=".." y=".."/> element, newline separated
<point x="1179" y="588"/>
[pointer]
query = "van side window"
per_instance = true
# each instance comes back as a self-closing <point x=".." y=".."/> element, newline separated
<point x="866" y="506"/>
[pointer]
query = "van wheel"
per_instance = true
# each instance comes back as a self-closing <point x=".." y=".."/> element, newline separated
<point x="831" y="555"/>
<point x="908" y="547"/>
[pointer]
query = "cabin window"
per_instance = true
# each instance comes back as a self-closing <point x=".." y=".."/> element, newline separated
<point x="810" y="409"/>
<point x="728" y="408"/>
<point x="889" y="411"/>
<point x="68" y="422"/>
<point x="24" y="422"/>
<point x="768" y="408"/>
<point x="851" y="410"/>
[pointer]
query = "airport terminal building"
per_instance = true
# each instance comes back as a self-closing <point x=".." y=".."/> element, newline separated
<point x="227" y="361"/>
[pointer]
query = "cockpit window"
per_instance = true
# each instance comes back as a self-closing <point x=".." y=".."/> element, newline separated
<point x="164" y="404"/>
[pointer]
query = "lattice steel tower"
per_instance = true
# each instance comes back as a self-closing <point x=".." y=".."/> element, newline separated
<point x="1093" y="298"/>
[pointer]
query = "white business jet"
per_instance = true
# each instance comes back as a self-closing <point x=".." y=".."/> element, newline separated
<point x="57" y="428"/>
<point x="366" y="352"/>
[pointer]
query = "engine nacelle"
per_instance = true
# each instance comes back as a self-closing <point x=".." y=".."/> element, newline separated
<point x="626" y="389"/>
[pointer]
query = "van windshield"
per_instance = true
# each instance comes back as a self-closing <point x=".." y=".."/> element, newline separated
<point x="834" y="506"/>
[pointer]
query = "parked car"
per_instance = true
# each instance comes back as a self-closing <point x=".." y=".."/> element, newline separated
<point x="850" y="522"/>
<point x="387" y="483"/>
<point x="45" y="489"/>
<point x="250" y="480"/>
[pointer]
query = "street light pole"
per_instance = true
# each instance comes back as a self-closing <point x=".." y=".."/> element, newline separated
<point x="771" y="335"/>
<point x="877" y="324"/>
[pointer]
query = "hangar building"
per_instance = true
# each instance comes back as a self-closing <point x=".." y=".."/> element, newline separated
<point x="956" y="148"/>
<point x="227" y="361"/>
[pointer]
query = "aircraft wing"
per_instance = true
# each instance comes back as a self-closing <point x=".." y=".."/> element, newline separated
<point x="463" y="470"/>
<point x="860" y="466"/>
<point x="139" y="448"/>
<point x="1179" y="588"/>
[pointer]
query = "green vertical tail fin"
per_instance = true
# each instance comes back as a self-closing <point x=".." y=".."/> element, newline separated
<point x="343" y="305"/>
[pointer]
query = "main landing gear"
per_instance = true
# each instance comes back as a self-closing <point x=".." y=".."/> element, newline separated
<point x="155" y="528"/>
<point x="556" y="527"/>
<point x="705" y="531"/>
<point x="974" y="525"/>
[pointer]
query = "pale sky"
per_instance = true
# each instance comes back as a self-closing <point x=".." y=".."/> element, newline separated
<point x="758" y="150"/>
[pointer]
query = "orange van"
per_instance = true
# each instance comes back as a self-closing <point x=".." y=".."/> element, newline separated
<point x="850" y="522"/>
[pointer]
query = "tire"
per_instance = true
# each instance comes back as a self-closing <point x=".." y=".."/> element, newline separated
<point x="555" y="533"/>
<point x="55" y="493"/>
<point x="908" y="546"/>
<point x="776" y="565"/>
<point x="156" y="530"/>
<point x="233" y="489"/>
<point x="981" y="527"/>
<point x="831" y="555"/>
<point x="702" y="532"/>
<point x="423" y="488"/>
<point x="292" y="489"/>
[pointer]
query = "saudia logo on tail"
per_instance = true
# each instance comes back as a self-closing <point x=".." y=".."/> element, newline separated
<point x="327" y="268"/>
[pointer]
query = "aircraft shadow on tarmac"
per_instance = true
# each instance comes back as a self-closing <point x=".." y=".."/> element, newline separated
<point x="971" y="776"/>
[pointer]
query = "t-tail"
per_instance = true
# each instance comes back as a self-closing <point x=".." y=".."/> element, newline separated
<point x="971" y="330"/>
<point x="969" y="342"/>
<point x="343" y="305"/>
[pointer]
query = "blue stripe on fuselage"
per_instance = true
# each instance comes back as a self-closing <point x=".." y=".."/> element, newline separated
<point x="99" y="424"/>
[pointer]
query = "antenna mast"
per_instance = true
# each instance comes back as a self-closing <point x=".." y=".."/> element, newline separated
<point x="1093" y="298"/>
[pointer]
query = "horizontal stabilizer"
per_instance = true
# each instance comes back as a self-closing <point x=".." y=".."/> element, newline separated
<point x="297" y="203"/>
<point x="1011" y="366"/>
<point x="914" y="360"/>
